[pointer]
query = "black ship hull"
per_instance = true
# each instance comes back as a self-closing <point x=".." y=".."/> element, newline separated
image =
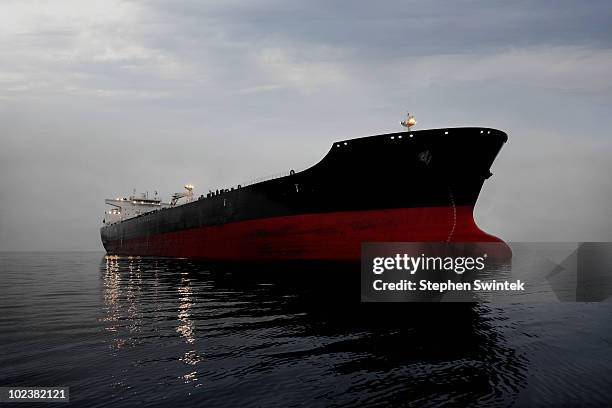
<point x="408" y="186"/>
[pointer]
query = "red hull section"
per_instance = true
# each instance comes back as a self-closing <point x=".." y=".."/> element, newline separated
<point x="321" y="237"/>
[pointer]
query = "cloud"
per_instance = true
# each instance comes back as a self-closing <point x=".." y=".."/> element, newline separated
<point x="99" y="97"/>
<point x="283" y="68"/>
<point x="76" y="47"/>
<point x="162" y="50"/>
<point x="566" y="68"/>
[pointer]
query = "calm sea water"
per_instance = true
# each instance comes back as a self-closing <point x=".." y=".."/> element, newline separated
<point x="121" y="332"/>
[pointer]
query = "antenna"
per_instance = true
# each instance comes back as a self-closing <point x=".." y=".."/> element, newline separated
<point x="409" y="122"/>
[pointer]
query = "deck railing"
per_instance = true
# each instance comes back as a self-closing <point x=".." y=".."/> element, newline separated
<point x="271" y="177"/>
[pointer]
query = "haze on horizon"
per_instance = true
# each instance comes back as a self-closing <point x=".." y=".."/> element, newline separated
<point x="98" y="98"/>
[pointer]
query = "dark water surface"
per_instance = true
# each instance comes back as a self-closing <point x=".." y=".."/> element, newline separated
<point x="158" y="331"/>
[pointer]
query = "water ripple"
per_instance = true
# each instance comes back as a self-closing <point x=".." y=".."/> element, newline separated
<point x="121" y="331"/>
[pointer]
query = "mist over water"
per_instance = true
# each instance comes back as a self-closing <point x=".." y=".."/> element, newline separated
<point x="124" y="331"/>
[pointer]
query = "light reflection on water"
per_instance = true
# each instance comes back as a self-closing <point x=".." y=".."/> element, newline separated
<point x="122" y="331"/>
<point x="268" y="324"/>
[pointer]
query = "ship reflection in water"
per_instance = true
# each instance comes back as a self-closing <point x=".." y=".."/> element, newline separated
<point x="230" y="336"/>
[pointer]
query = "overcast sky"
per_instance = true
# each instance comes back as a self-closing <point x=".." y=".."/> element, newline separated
<point x="99" y="97"/>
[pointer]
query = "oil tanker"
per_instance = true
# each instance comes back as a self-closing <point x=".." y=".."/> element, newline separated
<point x="409" y="186"/>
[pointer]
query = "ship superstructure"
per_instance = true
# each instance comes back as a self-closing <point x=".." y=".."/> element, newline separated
<point x="124" y="208"/>
<point x="134" y="206"/>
